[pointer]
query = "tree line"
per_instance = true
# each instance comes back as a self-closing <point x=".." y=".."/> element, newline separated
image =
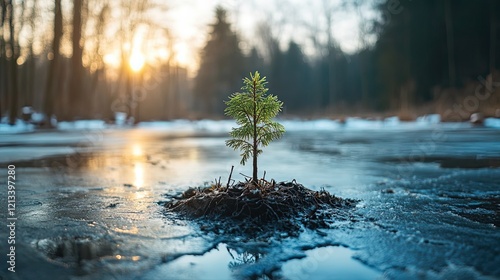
<point x="52" y="61"/>
<point x="426" y="55"/>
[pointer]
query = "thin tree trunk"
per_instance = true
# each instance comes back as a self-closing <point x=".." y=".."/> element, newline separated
<point x="76" y="101"/>
<point x="3" y="61"/>
<point x="31" y="63"/>
<point x="21" y="71"/>
<point x="492" y="41"/>
<point x="361" y="55"/>
<point x="254" y="176"/>
<point x="168" y="90"/>
<point x="54" y="65"/>
<point x="331" y="100"/>
<point x="3" y="82"/>
<point x="30" y="77"/>
<point x="14" y="94"/>
<point x="331" y="79"/>
<point x="175" y="93"/>
<point x="449" y="40"/>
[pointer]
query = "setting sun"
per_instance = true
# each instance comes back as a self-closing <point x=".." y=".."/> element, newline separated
<point x="137" y="61"/>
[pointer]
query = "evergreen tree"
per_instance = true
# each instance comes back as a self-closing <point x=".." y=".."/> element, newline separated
<point x="253" y="109"/>
<point x="222" y="64"/>
<point x="433" y="43"/>
<point x="254" y="61"/>
<point x="296" y="79"/>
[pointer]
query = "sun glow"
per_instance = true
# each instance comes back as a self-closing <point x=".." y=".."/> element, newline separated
<point x="112" y="59"/>
<point x="137" y="61"/>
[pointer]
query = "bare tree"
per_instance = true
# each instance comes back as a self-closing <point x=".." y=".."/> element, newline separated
<point x="23" y="18"/>
<point x="97" y="69"/>
<point x="3" y="60"/>
<point x="449" y="42"/>
<point x="52" y="82"/>
<point x="30" y="73"/>
<point x="133" y="15"/>
<point x="363" y="44"/>
<point x="13" y="89"/>
<point x="77" y="102"/>
<point x="493" y="32"/>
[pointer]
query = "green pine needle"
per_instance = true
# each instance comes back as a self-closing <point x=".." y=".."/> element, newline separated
<point x="253" y="110"/>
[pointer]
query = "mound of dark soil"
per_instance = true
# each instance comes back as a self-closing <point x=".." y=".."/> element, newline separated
<point x="276" y="208"/>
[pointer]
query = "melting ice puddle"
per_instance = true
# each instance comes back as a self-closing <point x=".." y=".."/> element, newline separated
<point x="211" y="265"/>
<point x="222" y="263"/>
<point x="332" y="262"/>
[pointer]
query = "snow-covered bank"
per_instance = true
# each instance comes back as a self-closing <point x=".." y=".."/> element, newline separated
<point x="83" y="124"/>
<point x="18" y="127"/>
<point x="222" y="126"/>
<point x="492" y="122"/>
<point x="352" y="123"/>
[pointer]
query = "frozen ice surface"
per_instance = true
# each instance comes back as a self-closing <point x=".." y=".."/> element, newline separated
<point x="334" y="261"/>
<point x="102" y="191"/>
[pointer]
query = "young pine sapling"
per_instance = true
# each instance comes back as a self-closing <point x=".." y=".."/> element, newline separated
<point x="254" y="110"/>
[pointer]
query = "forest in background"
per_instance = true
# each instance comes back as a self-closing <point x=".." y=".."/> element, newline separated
<point x="427" y="56"/>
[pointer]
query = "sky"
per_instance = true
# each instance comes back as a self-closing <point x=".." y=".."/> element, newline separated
<point x="190" y="21"/>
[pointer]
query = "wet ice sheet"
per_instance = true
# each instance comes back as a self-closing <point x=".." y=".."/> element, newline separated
<point x="214" y="263"/>
<point x="332" y="262"/>
<point x="225" y="263"/>
<point x="416" y="217"/>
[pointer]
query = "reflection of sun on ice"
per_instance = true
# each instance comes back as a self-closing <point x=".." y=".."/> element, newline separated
<point x="139" y="175"/>
<point x="136" y="150"/>
<point x="137" y="61"/>
<point x="137" y="154"/>
<point x="140" y="195"/>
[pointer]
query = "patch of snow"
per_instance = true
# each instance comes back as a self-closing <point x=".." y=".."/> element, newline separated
<point x="130" y="121"/>
<point x="18" y="127"/>
<point x="27" y="110"/>
<point x="353" y="123"/>
<point x="82" y="124"/>
<point x="37" y="117"/>
<point x="492" y="122"/>
<point x="429" y="119"/>
<point x="358" y="123"/>
<point x="53" y="121"/>
<point x="321" y="124"/>
<point x="215" y="126"/>
<point x="176" y="125"/>
<point x="120" y="118"/>
<point x="186" y="125"/>
<point x="392" y="121"/>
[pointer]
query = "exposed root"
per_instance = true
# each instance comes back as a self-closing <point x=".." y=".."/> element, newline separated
<point x="270" y="207"/>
